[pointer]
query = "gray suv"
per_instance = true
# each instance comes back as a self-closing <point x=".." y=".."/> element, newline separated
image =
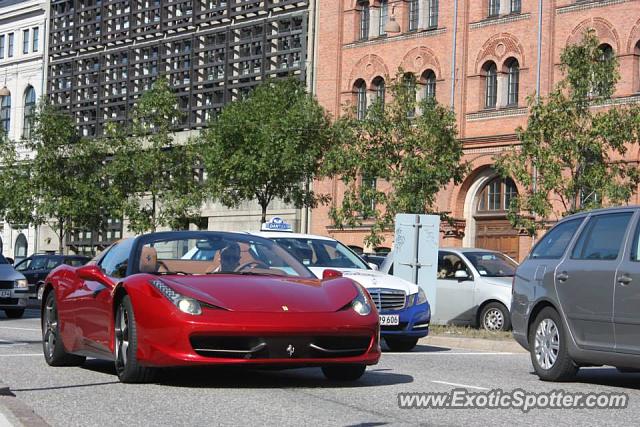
<point x="576" y="296"/>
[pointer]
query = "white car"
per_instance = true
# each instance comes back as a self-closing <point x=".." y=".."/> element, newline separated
<point x="473" y="287"/>
<point x="403" y="306"/>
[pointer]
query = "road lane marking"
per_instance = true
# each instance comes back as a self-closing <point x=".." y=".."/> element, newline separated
<point x="460" y="385"/>
<point x="451" y="353"/>
<point x="20" y="329"/>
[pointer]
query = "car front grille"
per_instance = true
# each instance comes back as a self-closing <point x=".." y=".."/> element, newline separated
<point x="389" y="328"/>
<point x="388" y="299"/>
<point x="6" y="284"/>
<point x="280" y="347"/>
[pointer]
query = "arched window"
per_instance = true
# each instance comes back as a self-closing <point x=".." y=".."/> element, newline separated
<point x="384" y="16"/>
<point x="360" y="90"/>
<point x="364" y="20"/>
<point x="513" y="82"/>
<point x="380" y="89"/>
<point x="409" y="82"/>
<point x="29" y="111"/>
<point x="20" y="248"/>
<point x="490" y="85"/>
<point x="5" y="113"/>
<point x="497" y="195"/>
<point x="429" y="81"/>
<point x="607" y="52"/>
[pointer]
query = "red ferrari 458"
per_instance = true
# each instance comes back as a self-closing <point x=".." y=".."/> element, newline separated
<point x="206" y="298"/>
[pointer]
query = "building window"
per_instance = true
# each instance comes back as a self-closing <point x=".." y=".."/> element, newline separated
<point x="433" y="14"/>
<point x="516" y="6"/>
<point x="409" y="82"/>
<point x="369" y="188"/>
<point x="429" y="78"/>
<point x="361" y="99"/>
<point x="2" y="47"/>
<point x="380" y="89"/>
<point x="384" y="16"/>
<point x="605" y="55"/>
<point x="25" y="41"/>
<point x="513" y="82"/>
<point x="364" y="20"/>
<point x="21" y="248"/>
<point x="491" y="85"/>
<point x="10" y="46"/>
<point x="414" y="14"/>
<point x="36" y="39"/>
<point x="29" y="111"/>
<point x="494" y="8"/>
<point x="497" y="195"/>
<point x="5" y="113"/>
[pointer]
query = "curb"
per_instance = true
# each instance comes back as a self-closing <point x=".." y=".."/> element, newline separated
<point x="16" y="412"/>
<point x="507" y="346"/>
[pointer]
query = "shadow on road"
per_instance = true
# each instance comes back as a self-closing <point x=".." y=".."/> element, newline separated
<point x="605" y="376"/>
<point x="239" y="377"/>
<point x="64" y="386"/>
<point x="421" y="349"/>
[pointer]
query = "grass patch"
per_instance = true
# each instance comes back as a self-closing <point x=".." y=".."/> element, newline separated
<point x="468" y="332"/>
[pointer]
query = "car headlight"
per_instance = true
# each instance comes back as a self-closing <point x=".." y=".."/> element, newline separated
<point x="361" y="303"/>
<point x="22" y="284"/>
<point x="184" y="304"/>
<point x="418" y="298"/>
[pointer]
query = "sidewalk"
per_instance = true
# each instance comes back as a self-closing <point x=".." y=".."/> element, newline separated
<point x="15" y="413"/>
<point x="503" y="346"/>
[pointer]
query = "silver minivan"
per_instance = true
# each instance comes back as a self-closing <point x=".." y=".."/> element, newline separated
<point x="576" y="296"/>
<point x="473" y="287"/>
<point x="14" y="290"/>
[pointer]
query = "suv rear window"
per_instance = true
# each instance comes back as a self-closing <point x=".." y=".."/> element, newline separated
<point x="555" y="242"/>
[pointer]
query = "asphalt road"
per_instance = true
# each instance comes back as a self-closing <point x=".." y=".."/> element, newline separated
<point x="92" y="396"/>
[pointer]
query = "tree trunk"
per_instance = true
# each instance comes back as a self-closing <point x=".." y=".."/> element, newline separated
<point x="153" y="213"/>
<point x="61" y="237"/>
<point x="264" y="207"/>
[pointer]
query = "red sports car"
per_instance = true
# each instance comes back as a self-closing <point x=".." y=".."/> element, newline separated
<point x="206" y="298"/>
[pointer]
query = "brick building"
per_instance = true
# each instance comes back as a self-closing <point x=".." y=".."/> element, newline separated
<point x="481" y="57"/>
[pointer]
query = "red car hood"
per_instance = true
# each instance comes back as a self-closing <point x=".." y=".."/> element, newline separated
<point x="272" y="294"/>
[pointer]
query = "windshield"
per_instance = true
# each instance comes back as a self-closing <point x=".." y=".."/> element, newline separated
<point x="492" y="264"/>
<point x="218" y="253"/>
<point x="321" y="253"/>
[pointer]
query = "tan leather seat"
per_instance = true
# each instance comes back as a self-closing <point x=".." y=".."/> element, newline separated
<point x="148" y="260"/>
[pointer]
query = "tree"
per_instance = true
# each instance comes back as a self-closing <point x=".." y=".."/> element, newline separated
<point x="155" y="172"/>
<point x="571" y="154"/>
<point x="410" y="146"/>
<point x="267" y="145"/>
<point x="63" y="184"/>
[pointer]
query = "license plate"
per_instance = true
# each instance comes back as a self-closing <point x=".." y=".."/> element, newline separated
<point x="5" y="293"/>
<point x="389" y="319"/>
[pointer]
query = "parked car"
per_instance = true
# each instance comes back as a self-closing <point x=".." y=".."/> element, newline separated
<point x="36" y="267"/>
<point x="374" y="260"/>
<point x="13" y="290"/>
<point x="473" y="288"/>
<point x="575" y="297"/>
<point x="144" y="305"/>
<point x="404" y="310"/>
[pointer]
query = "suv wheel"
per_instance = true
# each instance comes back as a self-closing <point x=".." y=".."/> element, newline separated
<point x="548" y="347"/>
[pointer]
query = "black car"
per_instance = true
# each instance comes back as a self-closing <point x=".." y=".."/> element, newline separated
<point x="36" y="267"/>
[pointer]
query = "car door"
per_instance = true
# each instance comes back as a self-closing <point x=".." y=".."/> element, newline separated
<point x="455" y="297"/>
<point x="585" y="279"/>
<point x="24" y="267"/>
<point x="626" y="298"/>
<point x="93" y="300"/>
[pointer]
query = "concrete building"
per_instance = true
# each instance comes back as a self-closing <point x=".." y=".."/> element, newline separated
<point x="483" y="58"/>
<point x="23" y="29"/>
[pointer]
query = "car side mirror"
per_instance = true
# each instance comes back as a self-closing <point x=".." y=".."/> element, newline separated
<point x="10" y="260"/>
<point x="91" y="272"/>
<point x="331" y="274"/>
<point x="373" y="266"/>
<point x="461" y="275"/>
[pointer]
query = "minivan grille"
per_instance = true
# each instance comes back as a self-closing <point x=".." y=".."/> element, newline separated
<point x="388" y="299"/>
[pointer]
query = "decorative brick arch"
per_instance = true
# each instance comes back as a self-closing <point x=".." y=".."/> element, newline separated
<point x="603" y="28"/>
<point x="420" y="59"/>
<point x="476" y="166"/>
<point x="367" y="68"/>
<point x="634" y="38"/>
<point x="497" y="49"/>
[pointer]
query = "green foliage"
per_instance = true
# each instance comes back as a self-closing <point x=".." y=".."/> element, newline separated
<point x="571" y="154"/>
<point x="266" y="146"/>
<point x="410" y="146"/>
<point x="150" y="169"/>
<point x="63" y="184"/>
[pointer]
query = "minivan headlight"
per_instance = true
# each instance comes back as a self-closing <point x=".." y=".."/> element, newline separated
<point x="22" y="284"/>
<point x="184" y="304"/>
<point x="361" y="303"/>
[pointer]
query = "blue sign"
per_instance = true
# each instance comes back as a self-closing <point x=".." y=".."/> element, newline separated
<point x="276" y="224"/>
